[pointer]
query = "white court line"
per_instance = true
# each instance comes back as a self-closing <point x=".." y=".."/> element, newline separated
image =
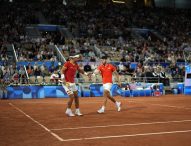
<point x="41" y="125"/>
<point x="179" y="107"/>
<point x="163" y="105"/>
<point x="86" y="102"/>
<point x="128" y="101"/>
<point x="62" y="103"/>
<point x="129" y="135"/>
<point x="121" y="125"/>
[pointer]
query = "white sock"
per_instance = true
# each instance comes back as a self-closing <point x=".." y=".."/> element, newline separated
<point x="77" y="109"/>
<point x="103" y="107"/>
<point x="68" y="109"/>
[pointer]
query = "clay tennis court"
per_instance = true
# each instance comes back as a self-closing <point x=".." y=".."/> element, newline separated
<point x="143" y="121"/>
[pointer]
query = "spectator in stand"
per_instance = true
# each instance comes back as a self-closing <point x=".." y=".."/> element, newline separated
<point x="91" y="53"/>
<point x="122" y="68"/>
<point x="54" y="77"/>
<point x="12" y="69"/>
<point x="138" y="74"/>
<point x="92" y="59"/>
<point x="15" y="78"/>
<point x="4" y="58"/>
<point x="35" y="66"/>
<point x="42" y="67"/>
<point x="176" y="74"/>
<point x="156" y="75"/>
<point x="123" y="59"/>
<point x="131" y="86"/>
<point x="3" y="89"/>
<point x="29" y="69"/>
<point x="94" y="66"/>
<point x="1" y="73"/>
<point x="163" y="77"/>
<point x="148" y="74"/>
<point x="6" y="74"/>
<point x="51" y="68"/>
<point x="45" y="72"/>
<point x="22" y="77"/>
<point x="37" y="72"/>
<point x="87" y="68"/>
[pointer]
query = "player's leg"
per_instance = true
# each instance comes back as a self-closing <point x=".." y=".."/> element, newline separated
<point x="77" y="103"/>
<point x="76" y="99"/>
<point x="107" y="95"/>
<point x="70" y="101"/>
<point x="105" y="99"/>
<point x="102" y="109"/>
<point x="118" y="104"/>
<point x="106" y="89"/>
<point x="68" y="110"/>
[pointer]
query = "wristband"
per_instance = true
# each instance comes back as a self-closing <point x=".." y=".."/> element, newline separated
<point x="62" y="76"/>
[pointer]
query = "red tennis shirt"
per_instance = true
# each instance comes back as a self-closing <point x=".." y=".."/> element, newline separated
<point x="106" y="72"/>
<point x="70" y="71"/>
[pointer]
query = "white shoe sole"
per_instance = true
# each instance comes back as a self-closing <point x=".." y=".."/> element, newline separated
<point x="70" y="115"/>
<point x="119" y="107"/>
<point x="79" y="114"/>
<point x="100" y="112"/>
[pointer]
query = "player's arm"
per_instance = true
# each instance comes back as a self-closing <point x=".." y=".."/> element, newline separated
<point x="118" y="77"/>
<point x="63" y="69"/>
<point x="83" y="72"/>
<point x="95" y="72"/>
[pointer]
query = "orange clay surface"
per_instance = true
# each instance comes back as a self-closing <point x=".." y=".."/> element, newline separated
<point x="143" y="121"/>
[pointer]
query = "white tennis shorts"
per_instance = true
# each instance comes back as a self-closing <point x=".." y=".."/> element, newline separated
<point x="70" y="88"/>
<point x="107" y="86"/>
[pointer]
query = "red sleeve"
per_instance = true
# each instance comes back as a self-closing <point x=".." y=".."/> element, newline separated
<point x="113" y="68"/>
<point x="66" y="65"/>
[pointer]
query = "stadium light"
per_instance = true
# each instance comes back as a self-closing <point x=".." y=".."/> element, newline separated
<point x="116" y="1"/>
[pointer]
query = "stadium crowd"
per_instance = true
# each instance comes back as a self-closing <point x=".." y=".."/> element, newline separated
<point x="102" y="30"/>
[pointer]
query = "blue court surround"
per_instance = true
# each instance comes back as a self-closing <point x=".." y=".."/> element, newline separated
<point x="84" y="90"/>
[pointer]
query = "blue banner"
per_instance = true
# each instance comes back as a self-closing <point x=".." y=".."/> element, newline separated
<point x="89" y="90"/>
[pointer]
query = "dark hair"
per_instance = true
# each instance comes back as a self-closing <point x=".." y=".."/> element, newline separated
<point x="104" y="57"/>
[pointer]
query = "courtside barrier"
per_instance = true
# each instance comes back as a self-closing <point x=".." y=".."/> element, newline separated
<point x="84" y="90"/>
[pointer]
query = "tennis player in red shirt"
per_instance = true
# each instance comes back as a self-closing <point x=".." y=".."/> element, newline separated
<point x="68" y="71"/>
<point x="107" y="70"/>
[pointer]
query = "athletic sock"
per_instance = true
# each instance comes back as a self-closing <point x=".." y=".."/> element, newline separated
<point x="103" y="107"/>
<point x="117" y="103"/>
<point x="68" y="110"/>
<point x="77" y="109"/>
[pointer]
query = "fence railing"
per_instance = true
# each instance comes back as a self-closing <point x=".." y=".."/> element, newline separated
<point x="46" y="80"/>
